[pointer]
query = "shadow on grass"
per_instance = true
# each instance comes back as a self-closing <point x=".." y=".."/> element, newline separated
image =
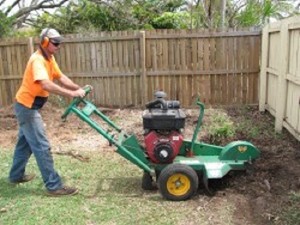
<point x="8" y="190"/>
<point x="128" y="187"/>
<point x="132" y="187"/>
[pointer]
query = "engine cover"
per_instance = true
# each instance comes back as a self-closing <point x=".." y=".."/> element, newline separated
<point x="163" y="148"/>
<point x="160" y="119"/>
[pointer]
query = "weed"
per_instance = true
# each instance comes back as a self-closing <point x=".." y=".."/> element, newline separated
<point x="220" y="128"/>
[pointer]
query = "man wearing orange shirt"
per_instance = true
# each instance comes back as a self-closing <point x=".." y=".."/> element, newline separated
<point x="40" y="72"/>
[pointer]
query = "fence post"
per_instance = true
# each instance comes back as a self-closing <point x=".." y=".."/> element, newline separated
<point x="30" y="46"/>
<point x="282" y="83"/>
<point x="263" y="72"/>
<point x="143" y="84"/>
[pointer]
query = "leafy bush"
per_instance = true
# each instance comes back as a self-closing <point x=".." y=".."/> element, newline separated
<point x="220" y="128"/>
<point x="170" y="20"/>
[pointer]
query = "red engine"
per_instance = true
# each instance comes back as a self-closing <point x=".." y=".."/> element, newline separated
<point x="163" y="148"/>
<point x="162" y="121"/>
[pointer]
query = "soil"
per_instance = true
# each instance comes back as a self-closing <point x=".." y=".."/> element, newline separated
<point x="260" y="194"/>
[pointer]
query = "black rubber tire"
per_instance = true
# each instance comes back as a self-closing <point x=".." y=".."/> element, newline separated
<point x="148" y="183"/>
<point x="186" y="185"/>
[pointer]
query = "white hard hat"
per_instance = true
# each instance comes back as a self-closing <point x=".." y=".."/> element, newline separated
<point x="51" y="34"/>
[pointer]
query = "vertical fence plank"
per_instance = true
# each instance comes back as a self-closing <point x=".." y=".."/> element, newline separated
<point x="143" y="78"/>
<point x="219" y="65"/>
<point x="263" y="72"/>
<point x="245" y="77"/>
<point x="239" y="61"/>
<point x="2" y="83"/>
<point x="206" y="67"/>
<point x="282" y="84"/>
<point x="171" y="65"/>
<point x="1" y="61"/>
<point x="230" y="52"/>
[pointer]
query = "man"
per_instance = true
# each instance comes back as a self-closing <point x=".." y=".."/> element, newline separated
<point x="37" y="82"/>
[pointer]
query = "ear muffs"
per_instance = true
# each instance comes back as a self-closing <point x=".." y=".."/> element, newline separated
<point x="45" y="39"/>
<point x="45" y="42"/>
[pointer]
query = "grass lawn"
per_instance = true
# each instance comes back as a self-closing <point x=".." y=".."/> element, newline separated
<point x="110" y="193"/>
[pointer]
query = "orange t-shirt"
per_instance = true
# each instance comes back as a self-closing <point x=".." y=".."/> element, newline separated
<point x="31" y="94"/>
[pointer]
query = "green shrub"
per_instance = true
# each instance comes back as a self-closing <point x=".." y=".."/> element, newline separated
<point x="220" y="128"/>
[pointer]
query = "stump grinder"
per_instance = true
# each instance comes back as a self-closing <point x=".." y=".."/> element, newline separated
<point x="170" y="162"/>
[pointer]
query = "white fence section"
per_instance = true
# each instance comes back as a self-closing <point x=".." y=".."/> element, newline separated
<point x="280" y="74"/>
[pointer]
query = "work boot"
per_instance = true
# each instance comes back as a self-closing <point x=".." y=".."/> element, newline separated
<point x="63" y="192"/>
<point x="24" y="179"/>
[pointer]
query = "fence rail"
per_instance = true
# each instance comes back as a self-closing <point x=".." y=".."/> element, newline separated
<point x="126" y="67"/>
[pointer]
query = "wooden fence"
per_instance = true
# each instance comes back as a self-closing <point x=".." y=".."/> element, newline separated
<point x="280" y="74"/>
<point x="125" y="68"/>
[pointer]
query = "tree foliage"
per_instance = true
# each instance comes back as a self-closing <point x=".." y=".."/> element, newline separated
<point x="107" y="15"/>
<point x="239" y="13"/>
<point x="116" y="15"/>
<point x="16" y="13"/>
<point x="258" y="13"/>
<point x="5" y="24"/>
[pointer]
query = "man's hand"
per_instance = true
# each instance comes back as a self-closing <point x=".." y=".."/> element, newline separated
<point x="88" y="86"/>
<point x="78" y="93"/>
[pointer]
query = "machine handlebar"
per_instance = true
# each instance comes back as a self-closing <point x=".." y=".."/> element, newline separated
<point x="76" y="101"/>
<point x="199" y="123"/>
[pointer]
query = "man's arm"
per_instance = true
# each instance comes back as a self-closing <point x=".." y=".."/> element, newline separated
<point x="68" y="83"/>
<point x="51" y="87"/>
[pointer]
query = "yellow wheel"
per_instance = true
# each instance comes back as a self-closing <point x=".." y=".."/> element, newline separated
<point x="178" y="182"/>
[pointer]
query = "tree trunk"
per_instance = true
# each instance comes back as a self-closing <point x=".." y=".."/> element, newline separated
<point x="223" y="13"/>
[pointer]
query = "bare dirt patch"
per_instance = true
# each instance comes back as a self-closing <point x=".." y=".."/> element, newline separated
<point x="258" y="195"/>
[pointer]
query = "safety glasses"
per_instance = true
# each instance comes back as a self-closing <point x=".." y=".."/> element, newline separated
<point x="56" y="44"/>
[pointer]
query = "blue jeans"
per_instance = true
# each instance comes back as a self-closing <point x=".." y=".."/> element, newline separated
<point x="32" y="139"/>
